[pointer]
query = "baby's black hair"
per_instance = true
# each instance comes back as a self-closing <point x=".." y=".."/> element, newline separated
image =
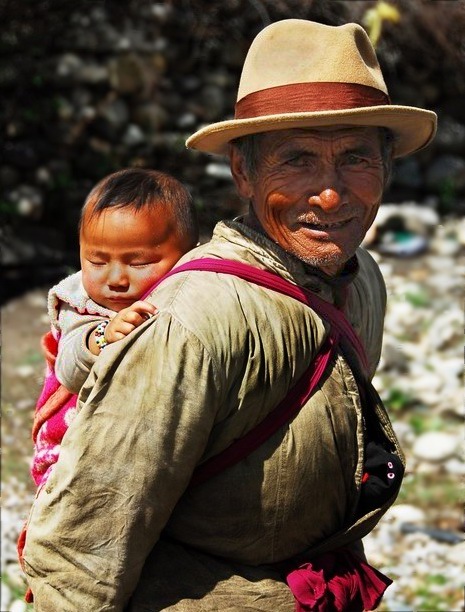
<point x="139" y="188"/>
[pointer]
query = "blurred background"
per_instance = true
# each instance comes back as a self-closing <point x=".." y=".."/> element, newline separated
<point x="89" y="87"/>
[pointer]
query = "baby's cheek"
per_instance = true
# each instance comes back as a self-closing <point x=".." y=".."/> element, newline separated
<point x="92" y="283"/>
<point x="146" y="279"/>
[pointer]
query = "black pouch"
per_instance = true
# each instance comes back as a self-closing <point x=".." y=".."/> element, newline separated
<point x="383" y="473"/>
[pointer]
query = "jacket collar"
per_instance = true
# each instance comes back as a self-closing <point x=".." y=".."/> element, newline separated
<point x="257" y="249"/>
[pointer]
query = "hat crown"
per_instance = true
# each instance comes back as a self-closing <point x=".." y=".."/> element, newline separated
<point x="299" y="51"/>
<point x="303" y="74"/>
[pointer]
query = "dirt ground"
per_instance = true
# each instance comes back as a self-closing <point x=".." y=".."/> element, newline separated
<point x="23" y="321"/>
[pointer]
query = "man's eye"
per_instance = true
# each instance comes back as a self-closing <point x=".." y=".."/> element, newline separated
<point x="97" y="263"/>
<point x="300" y="160"/>
<point x="354" y="160"/>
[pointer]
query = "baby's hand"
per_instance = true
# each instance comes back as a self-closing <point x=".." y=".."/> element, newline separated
<point x="128" y="319"/>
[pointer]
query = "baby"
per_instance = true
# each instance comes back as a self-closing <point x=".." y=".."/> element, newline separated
<point x="135" y="225"/>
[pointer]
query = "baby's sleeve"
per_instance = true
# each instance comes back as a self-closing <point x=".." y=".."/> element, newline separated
<point x="74" y="359"/>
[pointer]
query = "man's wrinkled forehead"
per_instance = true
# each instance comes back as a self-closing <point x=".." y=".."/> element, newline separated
<point x="344" y="135"/>
<point x="321" y="132"/>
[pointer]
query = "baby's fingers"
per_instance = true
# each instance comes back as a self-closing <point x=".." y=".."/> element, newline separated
<point x="145" y="309"/>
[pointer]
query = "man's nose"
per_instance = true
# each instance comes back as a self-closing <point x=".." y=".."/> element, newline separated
<point x="117" y="277"/>
<point x="329" y="199"/>
<point x="328" y="194"/>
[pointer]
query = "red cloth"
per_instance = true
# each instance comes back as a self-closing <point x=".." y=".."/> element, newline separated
<point x="55" y="409"/>
<point x="337" y="582"/>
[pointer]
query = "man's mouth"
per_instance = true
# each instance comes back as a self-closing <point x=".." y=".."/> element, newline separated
<point x="326" y="226"/>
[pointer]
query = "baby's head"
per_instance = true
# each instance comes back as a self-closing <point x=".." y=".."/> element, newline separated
<point x="135" y="224"/>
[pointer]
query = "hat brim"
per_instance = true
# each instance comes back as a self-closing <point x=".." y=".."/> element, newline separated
<point x="413" y="128"/>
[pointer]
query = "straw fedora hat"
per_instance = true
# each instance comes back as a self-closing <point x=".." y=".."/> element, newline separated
<point x="299" y="73"/>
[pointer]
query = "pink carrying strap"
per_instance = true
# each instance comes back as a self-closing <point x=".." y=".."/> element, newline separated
<point x="299" y="394"/>
<point x="279" y="416"/>
<point x="274" y="282"/>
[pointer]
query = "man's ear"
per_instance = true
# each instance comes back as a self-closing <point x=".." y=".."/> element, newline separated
<point x="238" y="170"/>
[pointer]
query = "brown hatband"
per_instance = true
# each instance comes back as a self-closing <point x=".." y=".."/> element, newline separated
<point x="308" y="97"/>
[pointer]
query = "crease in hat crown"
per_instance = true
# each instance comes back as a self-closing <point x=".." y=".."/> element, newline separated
<point x="300" y="73"/>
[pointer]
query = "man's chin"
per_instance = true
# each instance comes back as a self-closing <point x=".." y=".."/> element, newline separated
<point x="331" y="263"/>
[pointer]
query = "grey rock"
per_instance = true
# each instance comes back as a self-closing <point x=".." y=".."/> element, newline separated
<point x="43" y="175"/>
<point x="393" y="355"/>
<point x="450" y="136"/>
<point x="8" y="176"/>
<point x="446" y="172"/>
<point x="93" y="73"/>
<point x="127" y="72"/>
<point x="191" y="83"/>
<point x="115" y="112"/>
<point x="213" y="102"/>
<point x="68" y="65"/>
<point x="408" y="173"/>
<point x="435" y="446"/>
<point x="161" y="11"/>
<point x="9" y="75"/>
<point x="98" y="15"/>
<point x="28" y="200"/>
<point x="150" y="117"/>
<point x="65" y="109"/>
<point x="186" y="120"/>
<point x="133" y="136"/>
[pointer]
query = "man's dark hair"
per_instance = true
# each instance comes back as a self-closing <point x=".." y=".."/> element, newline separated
<point x="139" y="188"/>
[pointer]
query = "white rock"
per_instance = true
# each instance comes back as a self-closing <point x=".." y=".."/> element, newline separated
<point x="186" y="120"/>
<point x="93" y="73"/>
<point x="456" y="555"/>
<point x="426" y="467"/>
<point x="416" y="218"/>
<point x="404" y="432"/>
<point x="447" y="246"/>
<point x="440" y="263"/>
<point x="444" y="327"/>
<point x="455" y="466"/>
<point x="18" y="606"/>
<point x="5" y="596"/>
<point x="218" y="170"/>
<point x="435" y="446"/>
<point x="393" y="355"/>
<point x="68" y="64"/>
<point x="133" y="135"/>
<point x="425" y="383"/>
<point x="461" y="231"/>
<point x="405" y="513"/>
<point x="37" y="299"/>
<point x="25" y="371"/>
<point x="444" y="283"/>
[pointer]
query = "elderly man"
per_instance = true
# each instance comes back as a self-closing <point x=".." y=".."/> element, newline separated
<point x="128" y="519"/>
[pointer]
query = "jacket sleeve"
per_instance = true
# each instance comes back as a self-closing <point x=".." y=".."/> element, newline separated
<point x="74" y="359"/>
<point x="146" y="413"/>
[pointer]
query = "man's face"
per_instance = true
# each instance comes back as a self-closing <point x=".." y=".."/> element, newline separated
<point x="316" y="192"/>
